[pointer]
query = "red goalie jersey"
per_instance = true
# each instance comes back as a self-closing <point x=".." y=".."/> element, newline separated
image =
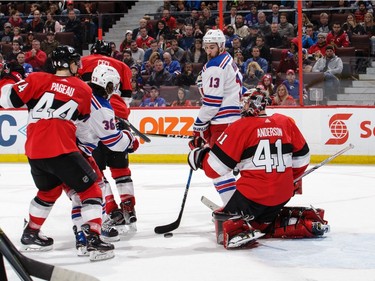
<point x="270" y="153"/>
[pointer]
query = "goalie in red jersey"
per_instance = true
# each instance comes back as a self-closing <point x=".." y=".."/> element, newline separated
<point x="270" y="153"/>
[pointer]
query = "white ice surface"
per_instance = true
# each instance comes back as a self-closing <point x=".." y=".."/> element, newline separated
<point x="347" y="193"/>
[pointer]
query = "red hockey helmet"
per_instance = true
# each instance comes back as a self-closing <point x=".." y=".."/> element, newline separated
<point x="253" y="102"/>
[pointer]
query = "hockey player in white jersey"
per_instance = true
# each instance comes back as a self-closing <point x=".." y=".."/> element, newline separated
<point x="220" y="87"/>
<point x="100" y="127"/>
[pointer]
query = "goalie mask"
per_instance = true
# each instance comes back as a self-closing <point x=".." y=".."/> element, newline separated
<point x="254" y="102"/>
<point x="106" y="77"/>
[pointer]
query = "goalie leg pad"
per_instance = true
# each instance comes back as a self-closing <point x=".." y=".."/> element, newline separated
<point x="298" y="222"/>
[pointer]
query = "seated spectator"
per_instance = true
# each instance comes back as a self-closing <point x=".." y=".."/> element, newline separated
<point x="274" y="39"/>
<point x="15" y="19"/>
<point x="351" y="26"/>
<point x="263" y="25"/>
<point x="172" y="66"/>
<point x="127" y="58"/>
<point x="16" y="49"/>
<point x="310" y="37"/>
<point x="169" y="19"/>
<point x="138" y="94"/>
<point x="263" y="63"/>
<point x="187" y="77"/>
<point x="240" y="28"/>
<point x="252" y="17"/>
<point x="154" y="100"/>
<point x="37" y="24"/>
<point x="17" y="35"/>
<point x="323" y="24"/>
<point x="153" y="48"/>
<point x="282" y="97"/>
<point x="265" y="51"/>
<point x="286" y="29"/>
<point x="33" y="8"/>
<point x="125" y="44"/>
<point x="275" y="16"/>
<point x="26" y="66"/>
<point x="114" y="52"/>
<point x="161" y="28"/>
<point x="176" y="51"/>
<point x="239" y="59"/>
<point x="253" y="75"/>
<point x="319" y="48"/>
<point x="229" y="36"/>
<point x="337" y="37"/>
<point x="73" y="24"/>
<point x="144" y="40"/>
<point x="361" y="11"/>
<point x="51" y="24"/>
<point x="268" y="87"/>
<point x="49" y="44"/>
<point x="181" y="98"/>
<point x="292" y="84"/>
<point x="368" y="25"/>
<point x="138" y="54"/>
<point x="187" y="40"/>
<point x="65" y="13"/>
<point x="331" y="66"/>
<point x="27" y="46"/>
<point x="36" y="57"/>
<point x="148" y="66"/>
<point x="7" y="35"/>
<point x="160" y="76"/>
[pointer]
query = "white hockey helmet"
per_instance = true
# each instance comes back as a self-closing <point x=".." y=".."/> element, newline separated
<point x="104" y="74"/>
<point x="215" y="36"/>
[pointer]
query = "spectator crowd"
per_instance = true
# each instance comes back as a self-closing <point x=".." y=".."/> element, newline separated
<point x="261" y="36"/>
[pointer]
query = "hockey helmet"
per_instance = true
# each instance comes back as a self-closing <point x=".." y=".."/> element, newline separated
<point x="104" y="74"/>
<point x="64" y="55"/>
<point x="253" y="102"/>
<point x="215" y="36"/>
<point x="101" y="47"/>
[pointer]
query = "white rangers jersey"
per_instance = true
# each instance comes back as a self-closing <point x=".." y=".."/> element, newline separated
<point x="221" y="90"/>
<point x="101" y="126"/>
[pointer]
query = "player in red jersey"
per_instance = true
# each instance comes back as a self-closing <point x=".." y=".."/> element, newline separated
<point x="270" y="153"/>
<point x="55" y="104"/>
<point x="101" y="54"/>
<point x="124" y="218"/>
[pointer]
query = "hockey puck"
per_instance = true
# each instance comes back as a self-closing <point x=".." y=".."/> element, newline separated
<point x="168" y="235"/>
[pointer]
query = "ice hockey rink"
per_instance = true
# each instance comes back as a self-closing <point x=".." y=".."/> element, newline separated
<point x="347" y="193"/>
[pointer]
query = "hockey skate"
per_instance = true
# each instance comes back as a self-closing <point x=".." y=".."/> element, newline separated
<point x="81" y="243"/>
<point x="35" y="240"/>
<point x="118" y="220"/>
<point x="108" y="232"/>
<point x="244" y="239"/>
<point x="97" y="249"/>
<point x="130" y="217"/>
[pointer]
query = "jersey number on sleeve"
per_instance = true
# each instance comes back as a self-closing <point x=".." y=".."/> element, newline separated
<point x="43" y="109"/>
<point x="263" y="156"/>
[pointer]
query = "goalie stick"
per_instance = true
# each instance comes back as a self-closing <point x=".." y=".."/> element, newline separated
<point x="174" y="225"/>
<point x="211" y="205"/>
<point x="26" y="267"/>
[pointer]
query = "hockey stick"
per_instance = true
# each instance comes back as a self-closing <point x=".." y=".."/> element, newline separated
<point x="136" y="131"/>
<point x="329" y="159"/>
<point x="174" y="225"/>
<point x="26" y="267"/>
<point x="211" y="205"/>
<point x="170" y="136"/>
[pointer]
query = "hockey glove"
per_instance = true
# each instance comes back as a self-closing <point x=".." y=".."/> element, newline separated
<point x="196" y="156"/>
<point x="121" y="124"/>
<point x="202" y="130"/>
<point x="196" y="142"/>
<point x="134" y="144"/>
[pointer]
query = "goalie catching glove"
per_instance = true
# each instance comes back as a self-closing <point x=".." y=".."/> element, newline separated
<point x="196" y="156"/>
